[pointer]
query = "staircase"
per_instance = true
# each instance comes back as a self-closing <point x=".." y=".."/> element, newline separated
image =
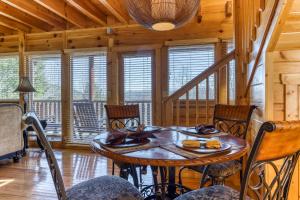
<point x="194" y="102"/>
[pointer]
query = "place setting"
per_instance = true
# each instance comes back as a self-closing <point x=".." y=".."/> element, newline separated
<point x="129" y="139"/>
<point x="201" y="130"/>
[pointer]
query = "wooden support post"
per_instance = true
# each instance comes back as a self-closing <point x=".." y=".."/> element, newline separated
<point x="112" y="73"/>
<point x="22" y="66"/>
<point x="157" y="81"/>
<point x="240" y="71"/>
<point x="66" y="96"/>
<point x="221" y="76"/>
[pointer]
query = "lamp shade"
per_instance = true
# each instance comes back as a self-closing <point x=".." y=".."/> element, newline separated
<point x="162" y="15"/>
<point x="25" y="86"/>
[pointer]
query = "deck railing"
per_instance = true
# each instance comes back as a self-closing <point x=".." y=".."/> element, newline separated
<point x="50" y="110"/>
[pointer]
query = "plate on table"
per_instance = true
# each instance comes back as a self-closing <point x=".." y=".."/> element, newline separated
<point x="128" y="142"/>
<point x="146" y="130"/>
<point x="206" y="132"/>
<point x="203" y="149"/>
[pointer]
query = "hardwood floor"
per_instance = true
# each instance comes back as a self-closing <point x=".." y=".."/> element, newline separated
<point x="31" y="178"/>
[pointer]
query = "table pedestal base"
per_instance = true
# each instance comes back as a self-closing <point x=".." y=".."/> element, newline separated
<point x="160" y="191"/>
<point x="164" y="190"/>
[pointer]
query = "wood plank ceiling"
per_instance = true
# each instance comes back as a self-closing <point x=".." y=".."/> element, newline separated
<point x="32" y="16"/>
<point x="290" y="33"/>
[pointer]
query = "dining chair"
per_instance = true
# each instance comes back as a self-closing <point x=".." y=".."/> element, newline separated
<point x="122" y="116"/>
<point x="232" y="119"/>
<point x="119" y="117"/>
<point x="277" y="148"/>
<point x="100" y="188"/>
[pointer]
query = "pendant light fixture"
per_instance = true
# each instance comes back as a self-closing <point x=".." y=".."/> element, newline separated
<point x="162" y="15"/>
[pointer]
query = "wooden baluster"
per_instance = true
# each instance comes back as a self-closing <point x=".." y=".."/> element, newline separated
<point x="178" y="112"/>
<point x="187" y="109"/>
<point x="207" y="99"/>
<point x="197" y="103"/>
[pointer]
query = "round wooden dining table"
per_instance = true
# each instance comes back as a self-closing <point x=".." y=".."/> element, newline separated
<point x="163" y="153"/>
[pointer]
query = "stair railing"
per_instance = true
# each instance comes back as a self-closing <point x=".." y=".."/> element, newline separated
<point x="193" y="103"/>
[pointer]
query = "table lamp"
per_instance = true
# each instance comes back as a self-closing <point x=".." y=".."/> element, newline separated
<point x="24" y="88"/>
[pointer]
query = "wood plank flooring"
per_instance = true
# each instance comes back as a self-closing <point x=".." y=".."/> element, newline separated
<point x="30" y="179"/>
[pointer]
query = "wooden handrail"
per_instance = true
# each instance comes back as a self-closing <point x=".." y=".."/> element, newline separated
<point x="261" y="47"/>
<point x="206" y="73"/>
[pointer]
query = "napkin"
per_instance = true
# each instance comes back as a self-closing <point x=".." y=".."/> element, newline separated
<point x="116" y="137"/>
<point x="205" y="129"/>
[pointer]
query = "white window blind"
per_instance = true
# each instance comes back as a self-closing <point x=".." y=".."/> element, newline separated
<point x="186" y="62"/>
<point x="138" y="83"/>
<point x="232" y="74"/>
<point x="45" y="75"/>
<point x="89" y="82"/>
<point x="9" y="77"/>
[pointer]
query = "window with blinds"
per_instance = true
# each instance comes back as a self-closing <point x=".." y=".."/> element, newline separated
<point x="138" y="83"/>
<point x="186" y="62"/>
<point x="232" y="84"/>
<point x="89" y="82"/>
<point x="9" y="77"/>
<point x="45" y="75"/>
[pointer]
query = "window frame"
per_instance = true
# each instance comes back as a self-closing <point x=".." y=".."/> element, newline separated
<point x="121" y="78"/>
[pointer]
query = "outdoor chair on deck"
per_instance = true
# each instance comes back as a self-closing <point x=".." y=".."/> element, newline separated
<point x="276" y="147"/>
<point x="85" y="118"/>
<point x="101" y="188"/>
<point x="233" y="119"/>
<point x="119" y="117"/>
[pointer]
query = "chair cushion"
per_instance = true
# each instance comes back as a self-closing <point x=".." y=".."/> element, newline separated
<point x="104" y="188"/>
<point x="216" y="192"/>
<point x="224" y="169"/>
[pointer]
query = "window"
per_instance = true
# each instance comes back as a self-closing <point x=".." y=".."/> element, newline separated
<point x="9" y="77"/>
<point x="89" y="82"/>
<point x="232" y="88"/>
<point x="138" y="83"/>
<point x="186" y="62"/>
<point x="45" y="75"/>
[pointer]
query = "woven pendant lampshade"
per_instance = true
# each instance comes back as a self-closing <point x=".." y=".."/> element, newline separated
<point x="162" y="15"/>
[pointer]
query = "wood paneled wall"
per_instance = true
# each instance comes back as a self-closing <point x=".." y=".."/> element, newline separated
<point x="284" y="96"/>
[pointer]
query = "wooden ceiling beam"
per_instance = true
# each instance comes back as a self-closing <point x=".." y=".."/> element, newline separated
<point x="115" y="8"/>
<point x="11" y="24"/>
<point x="35" y="10"/>
<point x="62" y="9"/>
<point x="19" y="16"/>
<point x="85" y="8"/>
<point x="7" y="31"/>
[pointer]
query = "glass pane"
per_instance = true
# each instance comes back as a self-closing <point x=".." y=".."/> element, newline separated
<point x="9" y="77"/>
<point x="138" y="83"/>
<point x="89" y="82"/>
<point x="187" y="62"/>
<point x="45" y="73"/>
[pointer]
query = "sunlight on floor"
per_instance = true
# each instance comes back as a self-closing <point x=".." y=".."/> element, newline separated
<point x="4" y="182"/>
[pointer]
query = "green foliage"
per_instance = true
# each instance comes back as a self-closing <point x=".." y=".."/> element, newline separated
<point x="9" y="77"/>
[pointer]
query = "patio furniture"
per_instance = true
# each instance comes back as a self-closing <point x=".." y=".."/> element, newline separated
<point x="85" y="118"/>
<point x="233" y="119"/>
<point x="103" y="188"/>
<point x="275" y="141"/>
<point x="162" y="153"/>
